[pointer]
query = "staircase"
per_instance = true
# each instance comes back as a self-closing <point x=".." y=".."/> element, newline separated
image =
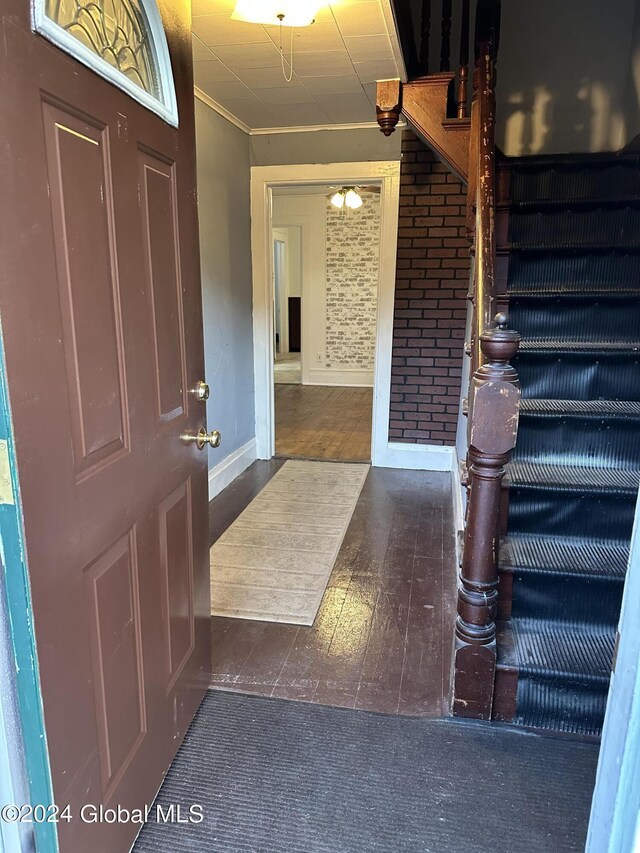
<point x="573" y="291"/>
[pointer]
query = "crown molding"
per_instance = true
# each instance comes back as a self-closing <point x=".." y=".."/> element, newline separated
<point x="310" y="128"/>
<point x="214" y="105"/>
<point x="266" y="131"/>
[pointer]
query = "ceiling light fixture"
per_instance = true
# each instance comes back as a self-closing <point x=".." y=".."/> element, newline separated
<point x="347" y="197"/>
<point x="353" y="199"/>
<point x="282" y="13"/>
<point x="287" y="13"/>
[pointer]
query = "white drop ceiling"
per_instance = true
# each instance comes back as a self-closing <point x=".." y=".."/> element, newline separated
<point x="336" y="63"/>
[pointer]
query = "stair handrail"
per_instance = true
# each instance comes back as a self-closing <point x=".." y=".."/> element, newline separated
<point x="481" y="190"/>
<point x="494" y="397"/>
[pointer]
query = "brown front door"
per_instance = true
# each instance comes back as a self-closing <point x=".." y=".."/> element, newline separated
<point x="102" y="326"/>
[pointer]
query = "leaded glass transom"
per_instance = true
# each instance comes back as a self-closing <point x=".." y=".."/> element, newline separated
<point x="123" y="40"/>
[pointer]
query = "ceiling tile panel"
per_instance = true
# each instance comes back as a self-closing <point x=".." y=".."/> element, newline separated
<point x="369" y="48"/>
<point x="285" y="95"/>
<point x="369" y="72"/>
<point x="342" y="84"/>
<point x="220" y="29"/>
<point x="330" y="63"/>
<point x="336" y="61"/>
<point x="212" y="71"/>
<point x="229" y="91"/>
<point x="294" y="115"/>
<point x="265" y="78"/>
<point x="248" y="56"/>
<point x="360" y="19"/>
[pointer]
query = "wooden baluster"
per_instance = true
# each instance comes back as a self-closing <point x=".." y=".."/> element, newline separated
<point x="494" y="398"/>
<point x="425" y="35"/>
<point x="463" y="73"/>
<point x="485" y="242"/>
<point x="445" y="44"/>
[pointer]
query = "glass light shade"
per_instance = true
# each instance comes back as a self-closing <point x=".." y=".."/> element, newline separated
<point x="295" y="13"/>
<point x="338" y="200"/>
<point x="353" y="200"/>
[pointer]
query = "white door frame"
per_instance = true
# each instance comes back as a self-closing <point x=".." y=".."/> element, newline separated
<point x="263" y="180"/>
<point x="282" y="307"/>
<point x="615" y="811"/>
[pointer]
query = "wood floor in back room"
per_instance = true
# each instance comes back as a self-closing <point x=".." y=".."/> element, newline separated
<point x="383" y="637"/>
<point x="322" y="422"/>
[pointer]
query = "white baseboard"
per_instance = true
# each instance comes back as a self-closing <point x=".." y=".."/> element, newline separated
<point x="231" y="467"/>
<point x="417" y="457"/>
<point x="340" y="376"/>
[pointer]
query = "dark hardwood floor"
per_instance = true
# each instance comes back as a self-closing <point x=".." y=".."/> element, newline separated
<point x="322" y="422"/>
<point x="383" y="636"/>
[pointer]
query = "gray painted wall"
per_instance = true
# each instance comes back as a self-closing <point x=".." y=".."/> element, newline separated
<point x="632" y="94"/>
<point x="563" y="75"/>
<point x="225" y="250"/>
<point x="324" y="146"/>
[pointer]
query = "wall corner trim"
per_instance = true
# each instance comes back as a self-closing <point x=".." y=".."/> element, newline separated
<point x="218" y="108"/>
<point x="225" y="472"/>
<point x="416" y="457"/>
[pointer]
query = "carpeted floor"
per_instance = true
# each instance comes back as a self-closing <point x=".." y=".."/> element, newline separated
<point x="275" y="776"/>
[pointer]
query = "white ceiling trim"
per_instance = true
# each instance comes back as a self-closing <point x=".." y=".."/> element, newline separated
<point x="306" y="128"/>
<point x="263" y="131"/>
<point x="214" y="105"/>
<point x="392" y="30"/>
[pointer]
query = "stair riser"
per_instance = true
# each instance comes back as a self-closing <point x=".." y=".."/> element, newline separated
<point x="593" y="271"/>
<point x="579" y="376"/>
<point x="560" y="705"/>
<point x="588" y="227"/>
<point x="571" y="440"/>
<point x="558" y="597"/>
<point x="552" y="512"/>
<point x="576" y="319"/>
<point x="615" y="180"/>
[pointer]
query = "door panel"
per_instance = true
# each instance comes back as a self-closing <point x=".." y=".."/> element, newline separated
<point x="177" y="567"/>
<point x="79" y="176"/>
<point x="163" y="276"/>
<point x="101" y="319"/>
<point x="113" y="595"/>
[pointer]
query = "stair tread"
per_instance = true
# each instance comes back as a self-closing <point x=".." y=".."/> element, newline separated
<point x="568" y="245"/>
<point x="560" y="345"/>
<point x="609" y="408"/>
<point x="576" y="652"/>
<point x="577" y="160"/>
<point x="570" y="555"/>
<point x="575" y="290"/>
<point x="526" y="473"/>
<point x="573" y="203"/>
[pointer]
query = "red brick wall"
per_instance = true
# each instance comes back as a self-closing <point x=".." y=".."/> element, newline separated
<point x="432" y="280"/>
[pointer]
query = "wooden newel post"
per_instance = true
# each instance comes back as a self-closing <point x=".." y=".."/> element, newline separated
<point x="388" y="105"/>
<point x="494" y="398"/>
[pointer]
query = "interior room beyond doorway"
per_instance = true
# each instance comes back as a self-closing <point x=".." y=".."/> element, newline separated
<point x="326" y="261"/>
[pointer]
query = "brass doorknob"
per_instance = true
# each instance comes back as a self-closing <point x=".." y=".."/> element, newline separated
<point x="203" y="437"/>
<point x="201" y="391"/>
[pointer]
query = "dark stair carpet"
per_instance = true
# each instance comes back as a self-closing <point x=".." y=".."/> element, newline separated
<point x="286" y="777"/>
<point x="574" y="295"/>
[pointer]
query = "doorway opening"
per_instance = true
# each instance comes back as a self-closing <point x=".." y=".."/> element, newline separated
<point x="324" y="280"/>
<point x="287" y="281"/>
<point x="326" y="265"/>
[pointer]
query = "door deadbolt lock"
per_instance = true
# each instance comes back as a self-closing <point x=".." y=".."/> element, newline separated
<point x="201" y="391"/>
<point x="202" y="437"/>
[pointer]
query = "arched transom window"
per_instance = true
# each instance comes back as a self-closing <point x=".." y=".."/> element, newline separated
<point x="123" y="40"/>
